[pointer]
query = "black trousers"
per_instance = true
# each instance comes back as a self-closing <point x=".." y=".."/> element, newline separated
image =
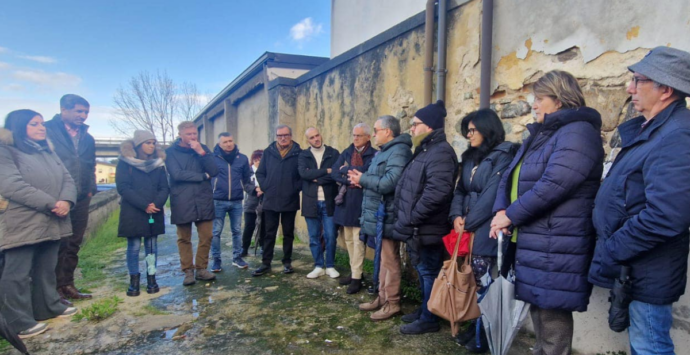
<point x="27" y="285"/>
<point x="68" y="257"/>
<point x="287" y="221"/>
<point x="249" y="228"/>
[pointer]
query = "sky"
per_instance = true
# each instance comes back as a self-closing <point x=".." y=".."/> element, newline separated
<point x="91" y="48"/>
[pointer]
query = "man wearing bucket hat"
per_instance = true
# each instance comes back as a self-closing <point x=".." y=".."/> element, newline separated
<point x="641" y="210"/>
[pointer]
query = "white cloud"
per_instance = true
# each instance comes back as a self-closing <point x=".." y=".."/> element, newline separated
<point x="4" y="50"/>
<point x="305" y="30"/>
<point x="4" y="65"/>
<point x="46" y="79"/>
<point x="39" y="59"/>
<point x="13" y="88"/>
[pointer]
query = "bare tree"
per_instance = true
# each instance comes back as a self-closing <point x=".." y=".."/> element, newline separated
<point x="154" y="103"/>
<point x="190" y="101"/>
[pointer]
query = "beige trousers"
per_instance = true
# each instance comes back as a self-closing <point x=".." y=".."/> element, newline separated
<point x="355" y="248"/>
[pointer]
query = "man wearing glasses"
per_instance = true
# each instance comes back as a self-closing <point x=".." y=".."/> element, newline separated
<point x="641" y="210"/>
<point x="280" y="184"/>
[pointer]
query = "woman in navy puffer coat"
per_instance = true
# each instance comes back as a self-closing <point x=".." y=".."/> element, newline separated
<point x="547" y="195"/>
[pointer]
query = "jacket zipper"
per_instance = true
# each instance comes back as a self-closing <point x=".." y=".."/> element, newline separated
<point x="230" y="182"/>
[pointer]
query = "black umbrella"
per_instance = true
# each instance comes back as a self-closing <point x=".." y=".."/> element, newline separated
<point x="10" y="336"/>
<point x="258" y="236"/>
<point x="620" y="298"/>
<point x="413" y="246"/>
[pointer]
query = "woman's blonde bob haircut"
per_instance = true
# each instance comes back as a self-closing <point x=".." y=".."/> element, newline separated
<point x="561" y="86"/>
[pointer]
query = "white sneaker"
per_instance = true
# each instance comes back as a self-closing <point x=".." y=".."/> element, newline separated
<point x="33" y="331"/>
<point x="318" y="271"/>
<point x="70" y="311"/>
<point x="332" y="273"/>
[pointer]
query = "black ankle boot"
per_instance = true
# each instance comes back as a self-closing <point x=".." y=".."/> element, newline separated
<point x="355" y="286"/>
<point x="151" y="285"/>
<point x="468" y="334"/>
<point x="479" y="344"/>
<point x="133" y="289"/>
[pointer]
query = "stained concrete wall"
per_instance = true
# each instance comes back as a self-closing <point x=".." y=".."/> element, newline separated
<point x="252" y="118"/>
<point x="102" y="206"/>
<point x="594" y="40"/>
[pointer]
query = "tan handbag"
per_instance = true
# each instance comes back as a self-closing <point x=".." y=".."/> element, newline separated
<point x="3" y="204"/>
<point x="454" y="294"/>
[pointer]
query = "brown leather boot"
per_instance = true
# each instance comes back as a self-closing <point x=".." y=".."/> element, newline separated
<point x="72" y="293"/>
<point x="63" y="299"/>
<point x="371" y="306"/>
<point x="387" y="311"/>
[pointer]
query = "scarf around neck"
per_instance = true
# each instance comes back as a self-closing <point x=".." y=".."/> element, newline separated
<point x="283" y="151"/>
<point x="146" y="166"/>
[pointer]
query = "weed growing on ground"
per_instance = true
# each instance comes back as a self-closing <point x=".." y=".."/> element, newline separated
<point x="150" y="310"/>
<point x="4" y="345"/>
<point x="99" y="310"/>
<point x="98" y="251"/>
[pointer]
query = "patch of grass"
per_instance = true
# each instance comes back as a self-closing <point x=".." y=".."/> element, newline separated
<point x="98" y="251"/>
<point x="99" y="310"/>
<point x="4" y="345"/>
<point x="150" y="309"/>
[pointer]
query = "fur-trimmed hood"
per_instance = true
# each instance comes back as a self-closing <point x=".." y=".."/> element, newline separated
<point x="127" y="150"/>
<point x="7" y="138"/>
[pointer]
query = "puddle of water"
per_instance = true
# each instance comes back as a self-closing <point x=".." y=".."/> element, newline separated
<point x="210" y="300"/>
<point x="194" y="305"/>
<point x="169" y="334"/>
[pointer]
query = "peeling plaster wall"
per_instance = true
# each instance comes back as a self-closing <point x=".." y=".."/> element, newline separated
<point x="594" y="40"/>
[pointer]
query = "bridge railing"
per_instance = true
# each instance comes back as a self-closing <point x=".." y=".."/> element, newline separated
<point x="109" y="140"/>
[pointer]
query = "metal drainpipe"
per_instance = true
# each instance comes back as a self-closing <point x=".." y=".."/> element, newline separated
<point x="428" y="50"/>
<point x="441" y="67"/>
<point x="487" y="47"/>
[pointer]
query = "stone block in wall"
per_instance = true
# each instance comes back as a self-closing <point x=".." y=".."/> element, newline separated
<point x="516" y="109"/>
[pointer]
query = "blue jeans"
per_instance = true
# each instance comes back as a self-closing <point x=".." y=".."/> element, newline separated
<point x="650" y="329"/>
<point x="234" y="209"/>
<point x="315" y="226"/>
<point x="430" y="262"/>
<point x="133" y="247"/>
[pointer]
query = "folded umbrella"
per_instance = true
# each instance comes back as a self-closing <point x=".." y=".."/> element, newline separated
<point x="380" y="216"/>
<point x="620" y="298"/>
<point x="257" y="228"/>
<point x="502" y="314"/>
<point x="9" y="335"/>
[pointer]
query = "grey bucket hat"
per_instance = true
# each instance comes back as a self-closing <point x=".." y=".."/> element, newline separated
<point x="667" y="66"/>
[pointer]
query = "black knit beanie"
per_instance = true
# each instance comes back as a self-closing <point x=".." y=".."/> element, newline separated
<point x="433" y="115"/>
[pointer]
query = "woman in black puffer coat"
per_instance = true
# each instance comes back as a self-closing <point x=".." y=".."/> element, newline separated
<point x="143" y="184"/>
<point x="483" y="165"/>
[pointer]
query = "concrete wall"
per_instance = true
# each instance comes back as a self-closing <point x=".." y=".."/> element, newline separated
<point x="594" y="40"/>
<point x="102" y="206"/>
<point x="355" y="21"/>
<point x="252" y="117"/>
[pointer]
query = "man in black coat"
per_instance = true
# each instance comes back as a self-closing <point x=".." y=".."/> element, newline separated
<point x="280" y="183"/>
<point x="191" y="167"/>
<point x="357" y="157"/>
<point x="318" y="201"/>
<point x="77" y="150"/>
<point x="424" y="194"/>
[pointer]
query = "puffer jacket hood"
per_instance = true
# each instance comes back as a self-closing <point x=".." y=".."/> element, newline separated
<point x="128" y="150"/>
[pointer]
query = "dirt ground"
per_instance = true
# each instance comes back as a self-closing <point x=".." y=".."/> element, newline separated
<point x="238" y="314"/>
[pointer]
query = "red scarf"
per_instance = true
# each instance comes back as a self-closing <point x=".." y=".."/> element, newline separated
<point x="357" y="156"/>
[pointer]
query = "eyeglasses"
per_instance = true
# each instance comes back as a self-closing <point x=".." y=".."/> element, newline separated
<point x="379" y="130"/>
<point x="471" y="131"/>
<point x="415" y="124"/>
<point x="361" y="135"/>
<point x="284" y="135"/>
<point x="636" y="80"/>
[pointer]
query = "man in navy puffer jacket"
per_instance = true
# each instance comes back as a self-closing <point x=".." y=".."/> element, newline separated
<point x="642" y="211"/>
<point x="228" y="193"/>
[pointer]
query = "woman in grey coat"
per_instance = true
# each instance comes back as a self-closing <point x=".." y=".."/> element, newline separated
<point x="37" y="194"/>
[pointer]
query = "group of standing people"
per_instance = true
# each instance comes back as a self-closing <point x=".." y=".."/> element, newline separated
<point x="46" y="183"/>
<point x="567" y="230"/>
